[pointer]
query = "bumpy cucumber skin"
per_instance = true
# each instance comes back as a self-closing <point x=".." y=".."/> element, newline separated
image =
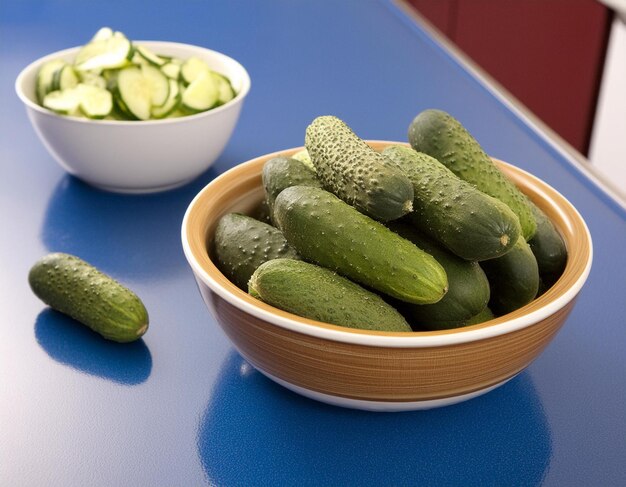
<point x="441" y="136"/>
<point x="72" y="286"/>
<point x="352" y="170"/>
<point x="261" y="212"/>
<point x="328" y="231"/>
<point x="513" y="278"/>
<point x="282" y="172"/>
<point x="241" y="244"/>
<point x="468" y="291"/>
<point x="549" y="249"/>
<point x="468" y="222"/>
<point x="317" y="293"/>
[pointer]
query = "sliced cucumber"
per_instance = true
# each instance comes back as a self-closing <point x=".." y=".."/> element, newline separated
<point x="64" y="78"/>
<point x="159" y="84"/>
<point x="93" y="79"/>
<point x="94" y="102"/>
<point x="171" y="70"/>
<point x="44" y="78"/>
<point x="201" y="94"/>
<point x="113" y="52"/>
<point x="173" y="100"/>
<point x="192" y="68"/>
<point x="65" y="102"/>
<point x="103" y="34"/>
<point x="224" y="89"/>
<point x="140" y="89"/>
<point x="149" y="56"/>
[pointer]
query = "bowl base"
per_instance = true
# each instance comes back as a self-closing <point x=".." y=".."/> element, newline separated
<point x="382" y="406"/>
<point x="153" y="189"/>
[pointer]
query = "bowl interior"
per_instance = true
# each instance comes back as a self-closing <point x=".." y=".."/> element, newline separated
<point x="240" y="190"/>
<point x="25" y="84"/>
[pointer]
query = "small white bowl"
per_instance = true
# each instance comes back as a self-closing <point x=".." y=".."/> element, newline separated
<point x="138" y="156"/>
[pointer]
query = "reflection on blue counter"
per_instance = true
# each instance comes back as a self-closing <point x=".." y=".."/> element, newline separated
<point x="261" y="429"/>
<point x="99" y="226"/>
<point x="70" y="343"/>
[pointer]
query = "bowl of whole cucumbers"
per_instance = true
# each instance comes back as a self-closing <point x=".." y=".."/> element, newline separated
<point x="134" y="116"/>
<point x="386" y="275"/>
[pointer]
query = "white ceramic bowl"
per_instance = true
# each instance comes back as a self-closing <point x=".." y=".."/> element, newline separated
<point x="138" y="156"/>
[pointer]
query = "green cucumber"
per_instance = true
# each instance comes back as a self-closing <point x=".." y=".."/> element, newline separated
<point x="466" y="221"/>
<point x="548" y="248"/>
<point x="241" y="244"/>
<point x="441" y="136"/>
<point x="513" y="278"/>
<point x="201" y="94"/>
<point x="74" y="287"/>
<point x="352" y="170"/>
<point x="104" y="53"/>
<point x="468" y="291"/>
<point x="319" y="294"/>
<point x="283" y="172"/>
<point x="261" y="212"/>
<point x="45" y="76"/>
<point x="485" y="315"/>
<point x="326" y="230"/>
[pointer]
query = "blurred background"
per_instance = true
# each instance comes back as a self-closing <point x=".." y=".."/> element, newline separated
<point x="565" y="60"/>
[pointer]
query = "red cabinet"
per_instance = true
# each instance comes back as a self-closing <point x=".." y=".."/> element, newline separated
<point x="547" y="53"/>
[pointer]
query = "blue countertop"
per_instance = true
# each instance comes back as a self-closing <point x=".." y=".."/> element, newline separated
<point x="181" y="407"/>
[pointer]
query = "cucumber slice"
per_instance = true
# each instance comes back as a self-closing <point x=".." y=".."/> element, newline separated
<point x="159" y="84"/>
<point x="224" y="89"/>
<point x="171" y="103"/>
<point x="108" y="53"/>
<point x="192" y="69"/>
<point x="171" y="70"/>
<point x="142" y="88"/>
<point x="135" y="93"/>
<point x="103" y="34"/>
<point x="94" y="102"/>
<point x="93" y="79"/>
<point x="201" y="94"/>
<point x="44" y="78"/>
<point x="65" y="77"/>
<point x="149" y="56"/>
<point x="65" y="102"/>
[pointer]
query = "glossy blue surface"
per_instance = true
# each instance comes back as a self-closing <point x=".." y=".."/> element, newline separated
<point x="181" y="407"/>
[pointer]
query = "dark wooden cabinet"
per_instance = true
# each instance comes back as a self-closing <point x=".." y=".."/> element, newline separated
<point x="548" y="53"/>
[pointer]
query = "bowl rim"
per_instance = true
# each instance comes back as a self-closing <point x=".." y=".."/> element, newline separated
<point x="33" y="66"/>
<point x="420" y="339"/>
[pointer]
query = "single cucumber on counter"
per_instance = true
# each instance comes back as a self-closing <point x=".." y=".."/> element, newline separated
<point x="317" y="293"/>
<point x="74" y="287"/>
<point x="326" y="230"/>
<point x="468" y="222"/>
<point x="549" y="249"/>
<point x="441" y="136"/>
<point x="283" y="172"/>
<point x="513" y="278"/>
<point x="468" y="288"/>
<point x="241" y="244"/>
<point x="352" y="170"/>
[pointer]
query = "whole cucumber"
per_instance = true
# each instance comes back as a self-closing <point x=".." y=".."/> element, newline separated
<point x="241" y="244"/>
<point x="282" y="172"/>
<point x="317" y="293"/>
<point x="513" y="278"/>
<point x="468" y="288"/>
<point x="549" y="249"/>
<point x="74" y="287"/>
<point x="326" y="230"/>
<point x="356" y="173"/>
<point x="468" y="222"/>
<point x="441" y="136"/>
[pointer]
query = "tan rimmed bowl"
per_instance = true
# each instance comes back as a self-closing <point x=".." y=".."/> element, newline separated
<point x="380" y="370"/>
